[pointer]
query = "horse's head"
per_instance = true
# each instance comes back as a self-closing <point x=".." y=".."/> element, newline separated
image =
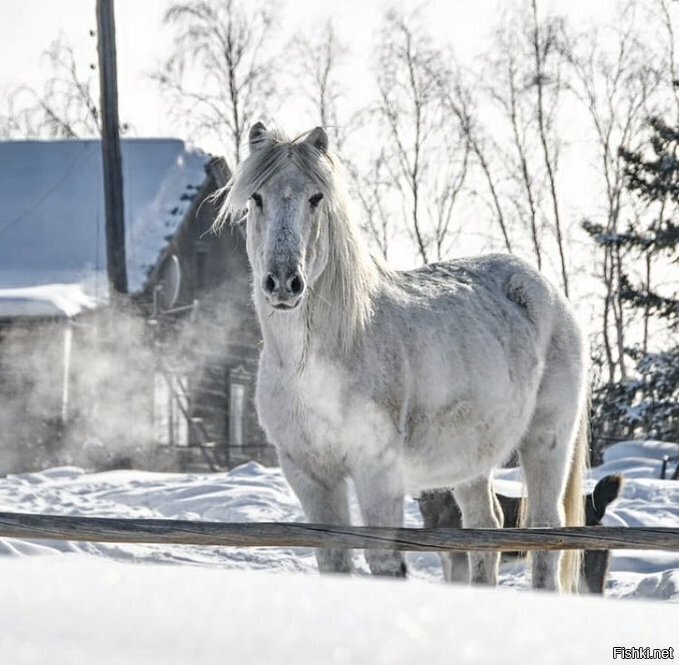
<point x="300" y="235"/>
<point x="286" y="240"/>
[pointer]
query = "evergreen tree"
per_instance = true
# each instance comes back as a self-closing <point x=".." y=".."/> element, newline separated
<point x="647" y="404"/>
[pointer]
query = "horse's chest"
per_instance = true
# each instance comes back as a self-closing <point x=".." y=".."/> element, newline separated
<point x="319" y="412"/>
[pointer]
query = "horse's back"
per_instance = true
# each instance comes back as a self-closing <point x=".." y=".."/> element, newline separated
<point x="499" y="277"/>
<point x="474" y="306"/>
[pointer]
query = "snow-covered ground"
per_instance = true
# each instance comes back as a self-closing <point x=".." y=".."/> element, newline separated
<point x="252" y="493"/>
<point x="80" y="603"/>
<point x="80" y="610"/>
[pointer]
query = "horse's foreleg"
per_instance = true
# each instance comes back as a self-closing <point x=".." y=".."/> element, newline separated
<point x="325" y="501"/>
<point x="480" y="510"/>
<point x="380" y="494"/>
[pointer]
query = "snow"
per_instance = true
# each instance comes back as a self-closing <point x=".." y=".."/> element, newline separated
<point x="251" y="493"/>
<point x="116" y="604"/>
<point x="79" y="611"/>
<point x="645" y="501"/>
<point x="52" y="216"/>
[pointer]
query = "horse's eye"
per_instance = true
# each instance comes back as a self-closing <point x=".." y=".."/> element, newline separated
<point x="257" y="199"/>
<point x="315" y="199"/>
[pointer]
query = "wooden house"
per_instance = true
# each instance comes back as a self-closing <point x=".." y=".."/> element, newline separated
<point x="166" y="382"/>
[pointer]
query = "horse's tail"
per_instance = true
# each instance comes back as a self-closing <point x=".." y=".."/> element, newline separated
<point x="574" y="504"/>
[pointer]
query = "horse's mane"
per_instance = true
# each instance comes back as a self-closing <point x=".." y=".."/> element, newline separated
<point x="341" y="300"/>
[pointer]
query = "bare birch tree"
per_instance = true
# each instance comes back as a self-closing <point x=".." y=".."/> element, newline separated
<point x="507" y="89"/>
<point x="316" y="72"/>
<point x="15" y="123"/>
<point x="615" y="86"/>
<point x="665" y="11"/>
<point x="219" y="77"/>
<point x="547" y="80"/>
<point x="425" y="155"/>
<point x="316" y="69"/>
<point x="67" y="105"/>
<point x="522" y="78"/>
<point x="459" y="102"/>
<point x="372" y="188"/>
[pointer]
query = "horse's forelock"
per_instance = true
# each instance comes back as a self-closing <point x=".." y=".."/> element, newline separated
<point x="266" y="162"/>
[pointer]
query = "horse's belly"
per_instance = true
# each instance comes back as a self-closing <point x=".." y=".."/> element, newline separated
<point x="451" y="448"/>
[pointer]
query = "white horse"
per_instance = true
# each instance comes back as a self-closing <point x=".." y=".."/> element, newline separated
<point x="403" y="381"/>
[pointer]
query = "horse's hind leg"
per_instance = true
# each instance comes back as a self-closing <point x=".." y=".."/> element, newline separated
<point x="440" y="510"/>
<point x="595" y="564"/>
<point x="479" y="509"/>
<point x="325" y="501"/>
<point x="545" y="458"/>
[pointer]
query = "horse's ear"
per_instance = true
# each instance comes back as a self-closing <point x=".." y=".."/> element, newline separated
<point x="258" y="137"/>
<point x="318" y="138"/>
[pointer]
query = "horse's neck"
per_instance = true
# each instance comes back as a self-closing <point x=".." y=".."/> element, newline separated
<point x="291" y="338"/>
<point x="284" y="334"/>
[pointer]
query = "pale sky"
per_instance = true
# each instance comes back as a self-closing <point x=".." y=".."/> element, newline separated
<point x="27" y="27"/>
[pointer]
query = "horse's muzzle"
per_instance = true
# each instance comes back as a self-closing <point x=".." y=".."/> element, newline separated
<point x="284" y="289"/>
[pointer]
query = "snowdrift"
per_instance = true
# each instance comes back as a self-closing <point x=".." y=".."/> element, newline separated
<point x="110" y="604"/>
<point x="80" y="610"/>
<point x="254" y="493"/>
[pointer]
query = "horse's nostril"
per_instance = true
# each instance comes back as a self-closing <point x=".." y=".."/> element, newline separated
<point x="270" y="283"/>
<point x="283" y="288"/>
<point x="296" y="285"/>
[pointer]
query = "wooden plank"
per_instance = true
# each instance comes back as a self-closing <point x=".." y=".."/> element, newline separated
<point x="270" y="534"/>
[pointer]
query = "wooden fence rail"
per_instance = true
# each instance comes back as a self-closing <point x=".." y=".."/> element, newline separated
<point x="271" y="534"/>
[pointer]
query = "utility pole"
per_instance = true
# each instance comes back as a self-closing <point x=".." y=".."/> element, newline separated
<point x="110" y="149"/>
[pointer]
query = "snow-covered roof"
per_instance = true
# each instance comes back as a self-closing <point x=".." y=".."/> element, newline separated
<point x="51" y="300"/>
<point x="52" y="223"/>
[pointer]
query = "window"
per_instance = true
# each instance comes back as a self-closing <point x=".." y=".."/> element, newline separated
<point x="201" y="265"/>
<point x="171" y="428"/>
<point x="236" y="414"/>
